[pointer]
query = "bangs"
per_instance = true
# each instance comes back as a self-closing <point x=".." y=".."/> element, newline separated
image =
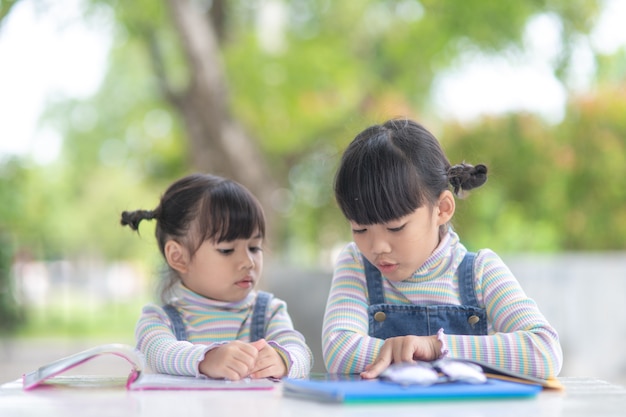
<point x="376" y="183"/>
<point x="233" y="213"/>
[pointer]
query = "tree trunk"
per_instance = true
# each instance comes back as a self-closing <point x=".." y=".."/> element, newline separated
<point x="219" y="144"/>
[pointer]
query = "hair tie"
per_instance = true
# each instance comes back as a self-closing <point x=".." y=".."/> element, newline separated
<point x="133" y="218"/>
<point x="457" y="175"/>
<point x="466" y="177"/>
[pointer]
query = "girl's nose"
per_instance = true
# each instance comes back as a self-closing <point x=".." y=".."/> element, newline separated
<point x="380" y="246"/>
<point x="247" y="261"/>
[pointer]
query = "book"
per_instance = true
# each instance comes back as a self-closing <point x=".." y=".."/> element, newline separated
<point x="354" y="390"/>
<point x="495" y="372"/>
<point x="138" y="379"/>
<point x="444" y="379"/>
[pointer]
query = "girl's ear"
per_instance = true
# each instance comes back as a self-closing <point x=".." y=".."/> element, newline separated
<point x="445" y="207"/>
<point x="176" y="256"/>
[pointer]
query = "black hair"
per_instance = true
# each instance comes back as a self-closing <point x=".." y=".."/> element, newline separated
<point x="390" y="170"/>
<point x="201" y="207"/>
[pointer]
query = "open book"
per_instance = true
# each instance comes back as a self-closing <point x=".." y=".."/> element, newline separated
<point x="138" y="378"/>
<point x="495" y="372"/>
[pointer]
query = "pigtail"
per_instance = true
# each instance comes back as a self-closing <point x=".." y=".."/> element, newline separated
<point x="464" y="177"/>
<point x="133" y="218"/>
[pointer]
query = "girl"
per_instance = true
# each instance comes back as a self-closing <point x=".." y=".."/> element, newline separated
<point x="210" y="231"/>
<point x="407" y="289"/>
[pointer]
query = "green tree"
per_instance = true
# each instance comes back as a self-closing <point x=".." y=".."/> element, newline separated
<point x="552" y="188"/>
<point x="302" y="94"/>
<point x="295" y="100"/>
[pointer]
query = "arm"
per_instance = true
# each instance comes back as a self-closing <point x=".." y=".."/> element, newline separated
<point x="165" y="354"/>
<point x="346" y="345"/>
<point x="520" y="338"/>
<point x="287" y="342"/>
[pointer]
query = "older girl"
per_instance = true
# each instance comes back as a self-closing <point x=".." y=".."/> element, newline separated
<point x="406" y="288"/>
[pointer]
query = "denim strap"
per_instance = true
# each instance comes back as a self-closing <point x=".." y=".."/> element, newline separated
<point x="467" y="289"/>
<point x="374" y="279"/>
<point x="177" y="321"/>
<point x="257" y="325"/>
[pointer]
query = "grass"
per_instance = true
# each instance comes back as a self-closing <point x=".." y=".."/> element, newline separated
<point x="113" y="321"/>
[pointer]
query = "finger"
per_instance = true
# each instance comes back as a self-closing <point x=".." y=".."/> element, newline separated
<point x="244" y="352"/>
<point x="259" y="344"/>
<point x="270" y="365"/>
<point x="232" y="370"/>
<point x="376" y="368"/>
<point x="262" y="363"/>
<point x="267" y="356"/>
<point x="241" y="360"/>
<point x="232" y="374"/>
<point x="380" y="364"/>
<point x="269" y="372"/>
<point x="407" y="351"/>
<point x="250" y="348"/>
<point x="246" y="364"/>
<point x="397" y="351"/>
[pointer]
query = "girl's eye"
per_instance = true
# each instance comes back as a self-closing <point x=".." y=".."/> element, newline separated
<point x="226" y="251"/>
<point x="396" y="229"/>
<point x="256" y="249"/>
<point x="358" y="231"/>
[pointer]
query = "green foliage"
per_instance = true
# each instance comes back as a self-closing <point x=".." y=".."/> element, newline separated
<point x="346" y="62"/>
<point x="551" y="188"/>
<point x="341" y="66"/>
<point x="11" y="314"/>
<point x="5" y="8"/>
<point x="121" y="148"/>
<point x="345" y="65"/>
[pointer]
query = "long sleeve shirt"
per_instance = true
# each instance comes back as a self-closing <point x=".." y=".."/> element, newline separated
<point x="519" y="337"/>
<point x="210" y="323"/>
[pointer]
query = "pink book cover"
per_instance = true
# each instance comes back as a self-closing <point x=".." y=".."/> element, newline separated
<point x="138" y="379"/>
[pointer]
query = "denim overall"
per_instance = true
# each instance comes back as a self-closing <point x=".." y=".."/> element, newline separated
<point x="257" y="326"/>
<point x="390" y="320"/>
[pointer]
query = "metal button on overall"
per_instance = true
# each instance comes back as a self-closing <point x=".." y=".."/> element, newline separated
<point x="473" y="320"/>
<point x="380" y="316"/>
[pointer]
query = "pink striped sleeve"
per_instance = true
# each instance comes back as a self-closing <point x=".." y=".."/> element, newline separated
<point x="287" y="341"/>
<point x="165" y="354"/>
<point x="346" y="346"/>
<point x="520" y="338"/>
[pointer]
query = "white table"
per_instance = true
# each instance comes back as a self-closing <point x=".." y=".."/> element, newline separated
<point x="106" y="396"/>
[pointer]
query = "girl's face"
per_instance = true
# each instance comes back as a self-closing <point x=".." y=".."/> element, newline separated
<point x="400" y="247"/>
<point x="225" y="271"/>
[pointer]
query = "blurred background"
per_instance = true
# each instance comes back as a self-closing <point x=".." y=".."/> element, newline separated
<point x="104" y="103"/>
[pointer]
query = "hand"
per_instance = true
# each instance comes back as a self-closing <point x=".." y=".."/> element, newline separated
<point x="403" y="349"/>
<point x="234" y="360"/>
<point x="268" y="363"/>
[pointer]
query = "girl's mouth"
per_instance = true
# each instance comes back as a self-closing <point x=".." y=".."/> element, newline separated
<point x="387" y="268"/>
<point x="245" y="283"/>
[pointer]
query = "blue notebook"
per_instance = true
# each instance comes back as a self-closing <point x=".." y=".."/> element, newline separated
<point x="356" y="390"/>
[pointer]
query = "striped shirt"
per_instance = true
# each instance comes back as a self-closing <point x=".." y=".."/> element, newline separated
<point x="519" y="337"/>
<point x="209" y="324"/>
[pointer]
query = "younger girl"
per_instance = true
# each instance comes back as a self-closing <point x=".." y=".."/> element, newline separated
<point x="407" y="289"/>
<point x="210" y="231"/>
